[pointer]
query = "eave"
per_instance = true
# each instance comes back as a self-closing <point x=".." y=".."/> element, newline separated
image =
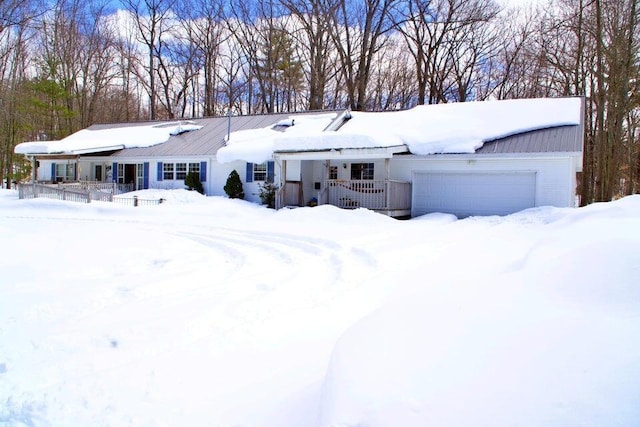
<point x="343" y="153"/>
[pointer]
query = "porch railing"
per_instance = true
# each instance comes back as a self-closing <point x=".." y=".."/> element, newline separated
<point x="370" y="194"/>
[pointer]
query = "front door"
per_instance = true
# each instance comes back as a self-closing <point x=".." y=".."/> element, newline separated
<point x="98" y="173"/>
<point x="130" y="174"/>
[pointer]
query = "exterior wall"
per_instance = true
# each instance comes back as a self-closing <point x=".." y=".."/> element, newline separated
<point x="44" y="170"/>
<point x="344" y="168"/>
<point x="87" y="169"/>
<point x="555" y="176"/>
<point x="216" y="173"/>
<point x="219" y="172"/>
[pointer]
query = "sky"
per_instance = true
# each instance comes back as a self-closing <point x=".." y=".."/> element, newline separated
<point x="211" y="311"/>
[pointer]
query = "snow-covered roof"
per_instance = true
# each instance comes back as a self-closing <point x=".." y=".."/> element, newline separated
<point x="427" y="129"/>
<point x="107" y="139"/>
<point x="258" y="145"/>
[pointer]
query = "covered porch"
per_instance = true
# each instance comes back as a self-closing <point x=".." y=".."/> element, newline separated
<point x="348" y="179"/>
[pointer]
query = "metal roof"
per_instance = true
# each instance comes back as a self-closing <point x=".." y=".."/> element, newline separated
<point x="561" y="139"/>
<point x="202" y="142"/>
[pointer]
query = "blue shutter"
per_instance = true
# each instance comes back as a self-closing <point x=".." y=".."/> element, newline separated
<point x="75" y="171"/>
<point x="114" y="172"/>
<point x="249" y="177"/>
<point x="203" y="171"/>
<point x="270" y="172"/>
<point x="145" y="175"/>
<point x="160" y="175"/>
<point x="53" y="172"/>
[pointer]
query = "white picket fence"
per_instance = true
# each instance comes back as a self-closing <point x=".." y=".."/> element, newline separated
<point x="84" y="192"/>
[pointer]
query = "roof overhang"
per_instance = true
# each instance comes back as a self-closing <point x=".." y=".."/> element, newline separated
<point x="98" y="149"/>
<point x="73" y="152"/>
<point x="343" y="153"/>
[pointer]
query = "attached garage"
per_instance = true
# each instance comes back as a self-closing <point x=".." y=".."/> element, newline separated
<point x="480" y="193"/>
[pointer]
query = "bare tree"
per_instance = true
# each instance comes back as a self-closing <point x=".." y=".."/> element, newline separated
<point x="153" y="19"/>
<point x="359" y="29"/>
<point x="14" y="124"/>
<point x="313" y="39"/>
<point x="261" y="31"/>
<point x="207" y="31"/>
<point x="447" y="39"/>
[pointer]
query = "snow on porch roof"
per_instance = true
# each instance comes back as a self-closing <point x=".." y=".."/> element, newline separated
<point x="109" y="138"/>
<point x="427" y="129"/>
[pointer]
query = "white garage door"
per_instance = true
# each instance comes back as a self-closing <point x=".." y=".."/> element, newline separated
<point x="465" y="194"/>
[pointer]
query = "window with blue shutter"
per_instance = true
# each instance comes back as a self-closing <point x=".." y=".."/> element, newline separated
<point x="203" y="171"/>
<point x="145" y="175"/>
<point x="270" y="171"/>
<point x="159" y="172"/>
<point x="249" y="176"/>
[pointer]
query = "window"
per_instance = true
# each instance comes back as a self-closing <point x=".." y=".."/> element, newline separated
<point x="194" y="167"/>
<point x="120" y="173"/>
<point x="362" y="171"/>
<point x="178" y="171"/>
<point x="181" y="170"/>
<point x="167" y="171"/>
<point x="259" y="171"/>
<point x="333" y="172"/>
<point x="65" y="172"/>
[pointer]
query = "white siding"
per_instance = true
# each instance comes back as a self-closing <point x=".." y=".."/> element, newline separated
<point x="218" y="174"/>
<point x="44" y="170"/>
<point x="293" y="170"/>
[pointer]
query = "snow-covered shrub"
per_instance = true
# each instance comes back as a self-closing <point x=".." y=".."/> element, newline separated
<point x="268" y="193"/>
<point x="233" y="187"/>
<point x="192" y="182"/>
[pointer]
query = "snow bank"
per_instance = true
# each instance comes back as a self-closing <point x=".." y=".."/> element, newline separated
<point x="212" y="311"/>
<point x="551" y="341"/>
<point x="427" y="129"/>
<point x="182" y="196"/>
<point x="88" y="140"/>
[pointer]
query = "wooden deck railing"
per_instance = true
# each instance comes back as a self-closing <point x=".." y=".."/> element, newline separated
<point x="370" y="194"/>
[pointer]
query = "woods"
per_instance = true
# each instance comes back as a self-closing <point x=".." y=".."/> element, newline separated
<point x="69" y="63"/>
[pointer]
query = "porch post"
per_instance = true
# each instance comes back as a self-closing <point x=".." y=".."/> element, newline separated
<point x="283" y="181"/>
<point x="34" y="172"/>
<point x="387" y="184"/>
<point x="325" y="178"/>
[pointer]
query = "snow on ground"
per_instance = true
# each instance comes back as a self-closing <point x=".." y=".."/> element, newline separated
<point x="209" y="311"/>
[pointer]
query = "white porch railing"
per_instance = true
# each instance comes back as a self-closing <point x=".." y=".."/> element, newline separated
<point x="370" y="194"/>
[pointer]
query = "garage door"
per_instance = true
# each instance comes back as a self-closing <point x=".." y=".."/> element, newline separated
<point x="466" y="194"/>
